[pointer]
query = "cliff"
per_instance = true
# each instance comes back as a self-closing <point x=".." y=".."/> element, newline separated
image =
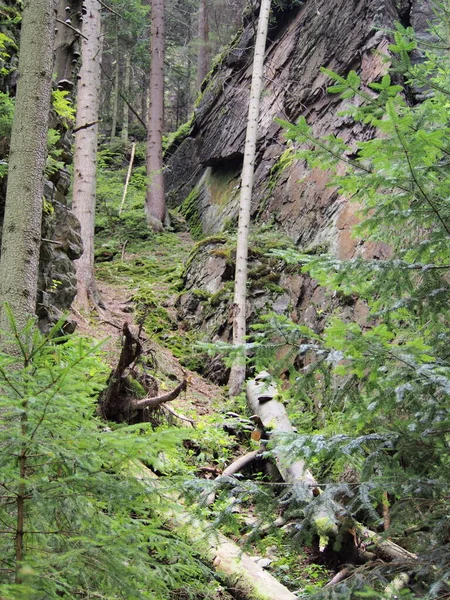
<point x="331" y="33"/>
<point x="203" y="172"/>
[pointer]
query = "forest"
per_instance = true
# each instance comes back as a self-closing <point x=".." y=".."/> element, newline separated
<point x="224" y="299"/>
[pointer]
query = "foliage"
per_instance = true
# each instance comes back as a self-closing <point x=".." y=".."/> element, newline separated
<point x="380" y="392"/>
<point x="75" y="522"/>
<point x="6" y="43"/>
<point x="54" y="164"/>
<point x="63" y="107"/>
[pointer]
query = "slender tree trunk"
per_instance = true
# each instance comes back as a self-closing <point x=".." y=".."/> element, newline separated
<point x="126" y="91"/>
<point x="21" y="236"/>
<point x="203" y="38"/>
<point x="237" y="375"/>
<point x="85" y="156"/>
<point x="115" y="92"/>
<point x="155" y="206"/>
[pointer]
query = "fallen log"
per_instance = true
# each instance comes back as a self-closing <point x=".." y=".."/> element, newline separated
<point x="235" y="569"/>
<point x="262" y="397"/>
<point x="232" y="469"/>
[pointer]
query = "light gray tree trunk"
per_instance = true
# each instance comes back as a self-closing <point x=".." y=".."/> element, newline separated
<point x="203" y="31"/>
<point x="237" y="375"/>
<point x="85" y="155"/>
<point x="126" y="92"/>
<point x="155" y="206"/>
<point x="21" y="235"/>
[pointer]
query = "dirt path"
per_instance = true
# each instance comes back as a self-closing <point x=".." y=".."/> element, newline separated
<point x="201" y="396"/>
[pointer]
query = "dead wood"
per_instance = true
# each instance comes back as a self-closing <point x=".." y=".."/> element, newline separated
<point x="150" y="403"/>
<point x="112" y="399"/>
<point x="235" y="569"/>
<point x="232" y="469"/>
<point x="262" y="399"/>
<point x="118" y="402"/>
<point x="343" y="574"/>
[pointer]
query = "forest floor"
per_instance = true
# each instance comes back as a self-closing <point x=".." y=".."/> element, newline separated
<point x="140" y="287"/>
<point x="119" y="286"/>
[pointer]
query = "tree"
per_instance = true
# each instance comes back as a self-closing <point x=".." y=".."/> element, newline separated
<point x="85" y="155"/>
<point x="155" y="206"/>
<point x="23" y="211"/>
<point x="202" y="57"/>
<point x="75" y="521"/>
<point x="237" y="375"/>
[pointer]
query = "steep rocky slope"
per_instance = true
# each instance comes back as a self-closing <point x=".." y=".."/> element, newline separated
<point x="203" y="171"/>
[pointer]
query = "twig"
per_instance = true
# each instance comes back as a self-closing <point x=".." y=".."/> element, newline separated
<point x="109" y="9"/>
<point x="71" y="27"/>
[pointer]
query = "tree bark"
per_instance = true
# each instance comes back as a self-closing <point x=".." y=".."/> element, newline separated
<point x="21" y="235"/>
<point x="67" y="42"/>
<point x="237" y="375"/>
<point x="115" y="90"/>
<point x="126" y="93"/>
<point x="85" y="156"/>
<point x="155" y="206"/>
<point x="203" y="35"/>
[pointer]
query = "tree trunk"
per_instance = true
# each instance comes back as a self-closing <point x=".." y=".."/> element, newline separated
<point x="23" y="210"/>
<point x="261" y="398"/>
<point x="155" y="206"/>
<point x="126" y="92"/>
<point x="203" y="35"/>
<point x="235" y="569"/>
<point x="237" y="375"/>
<point x="115" y="90"/>
<point x="85" y="156"/>
<point x="67" y="42"/>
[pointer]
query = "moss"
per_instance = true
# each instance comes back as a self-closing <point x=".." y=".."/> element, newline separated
<point x="222" y="295"/>
<point x="189" y="210"/>
<point x="173" y="140"/>
<point x="201" y="294"/>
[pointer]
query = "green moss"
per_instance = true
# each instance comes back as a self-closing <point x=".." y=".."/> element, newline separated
<point x="173" y="140"/>
<point x="189" y="210"/>
<point x="201" y="294"/>
<point x="224" y="294"/>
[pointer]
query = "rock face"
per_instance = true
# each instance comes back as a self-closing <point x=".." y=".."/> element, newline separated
<point x="340" y="35"/>
<point x="335" y="34"/>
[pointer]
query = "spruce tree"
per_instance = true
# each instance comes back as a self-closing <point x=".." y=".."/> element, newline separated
<point x="383" y="388"/>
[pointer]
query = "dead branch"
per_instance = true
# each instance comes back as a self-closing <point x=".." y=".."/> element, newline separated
<point x="157" y="400"/>
<point x="178" y="416"/>
<point x="340" y="576"/>
<point x="234" y="468"/>
<point x="77" y="31"/>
